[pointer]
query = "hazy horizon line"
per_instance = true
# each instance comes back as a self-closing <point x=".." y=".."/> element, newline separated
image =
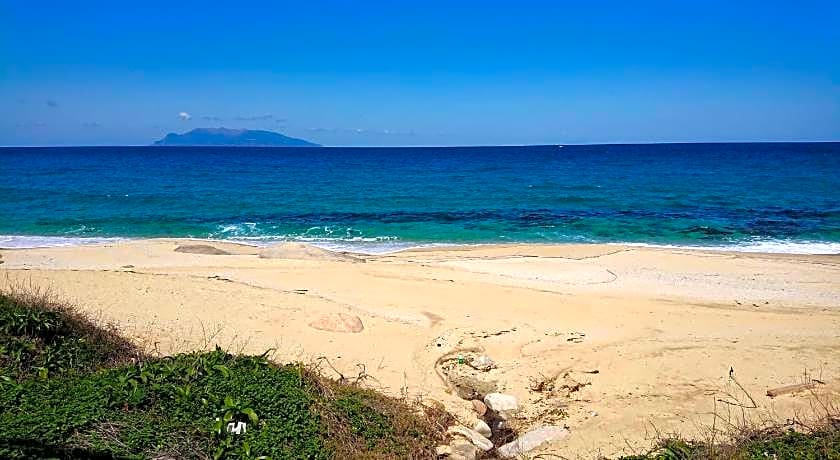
<point x="430" y="145"/>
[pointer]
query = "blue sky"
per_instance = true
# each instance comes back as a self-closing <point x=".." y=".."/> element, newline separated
<point x="421" y="73"/>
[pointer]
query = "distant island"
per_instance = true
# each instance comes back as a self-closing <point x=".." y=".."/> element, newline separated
<point x="233" y="137"/>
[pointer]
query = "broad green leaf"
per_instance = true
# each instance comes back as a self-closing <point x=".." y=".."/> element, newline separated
<point x="222" y="369"/>
<point x="251" y="414"/>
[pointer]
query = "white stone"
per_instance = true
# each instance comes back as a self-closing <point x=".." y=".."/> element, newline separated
<point x="463" y="449"/>
<point x="472" y="436"/>
<point x="443" y="451"/>
<point x="503" y="405"/>
<point x="531" y="440"/>
<point x="481" y="427"/>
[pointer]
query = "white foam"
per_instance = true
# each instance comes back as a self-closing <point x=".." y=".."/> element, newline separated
<point x="26" y="241"/>
<point x="375" y="248"/>
<point x="335" y="238"/>
<point x="389" y="244"/>
<point x="759" y="246"/>
<point x="359" y="245"/>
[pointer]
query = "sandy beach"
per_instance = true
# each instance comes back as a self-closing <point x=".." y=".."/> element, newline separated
<point x="640" y="340"/>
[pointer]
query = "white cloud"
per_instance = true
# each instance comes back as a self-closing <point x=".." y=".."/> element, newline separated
<point x="184" y="116"/>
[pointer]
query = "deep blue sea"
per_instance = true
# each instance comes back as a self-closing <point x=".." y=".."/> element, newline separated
<point x="777" y="197"/>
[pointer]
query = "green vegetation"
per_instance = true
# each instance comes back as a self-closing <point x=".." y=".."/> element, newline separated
<point x="39" y="336"/>
<point x="816" y="443"/>
<point x="70" y="389"/>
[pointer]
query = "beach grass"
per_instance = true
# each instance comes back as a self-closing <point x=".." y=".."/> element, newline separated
<point x="811" y="435"/>
<point x="72" y="389"/>
<point x="820" y="442"/>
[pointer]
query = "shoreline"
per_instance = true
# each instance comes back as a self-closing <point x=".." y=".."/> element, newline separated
<point x="769" y="247"/>
<point x="662" y="327"/>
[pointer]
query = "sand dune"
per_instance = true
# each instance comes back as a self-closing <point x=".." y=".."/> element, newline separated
<point x="649" y="334"/>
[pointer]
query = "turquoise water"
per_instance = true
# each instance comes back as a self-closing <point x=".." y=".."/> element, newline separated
<point x="772" y="197"/>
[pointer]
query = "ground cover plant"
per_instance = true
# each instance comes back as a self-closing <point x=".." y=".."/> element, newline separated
<point x="70" y="388"/>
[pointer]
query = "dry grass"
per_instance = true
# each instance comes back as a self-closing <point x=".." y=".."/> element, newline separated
<point x="29" y="303"/>
<point x="739" y="432"/>
<point x="390" y="427"/>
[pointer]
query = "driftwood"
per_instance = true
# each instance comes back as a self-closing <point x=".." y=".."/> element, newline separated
<point x="787" y="389"/>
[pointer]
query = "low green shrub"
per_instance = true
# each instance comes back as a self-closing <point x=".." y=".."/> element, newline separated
<point x="821" y="442"/>
<point x="42" y="337"/>
<point x="100" y="398"/>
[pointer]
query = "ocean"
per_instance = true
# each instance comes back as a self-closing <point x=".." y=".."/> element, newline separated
<point x="770" y="197"/>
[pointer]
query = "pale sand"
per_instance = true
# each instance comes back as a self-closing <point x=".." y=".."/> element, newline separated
<point x="662" y="327"/>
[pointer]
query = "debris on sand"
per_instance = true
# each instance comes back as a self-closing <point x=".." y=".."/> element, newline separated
<point x="788" y="389"/>
<point x="470" y="386"/>
<point x="467" y="382"/>
<point x="482" y="363"/>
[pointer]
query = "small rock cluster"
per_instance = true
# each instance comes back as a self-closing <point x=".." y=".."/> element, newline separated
<point x="473" y="377"/>
<point x="493" y="412"/>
